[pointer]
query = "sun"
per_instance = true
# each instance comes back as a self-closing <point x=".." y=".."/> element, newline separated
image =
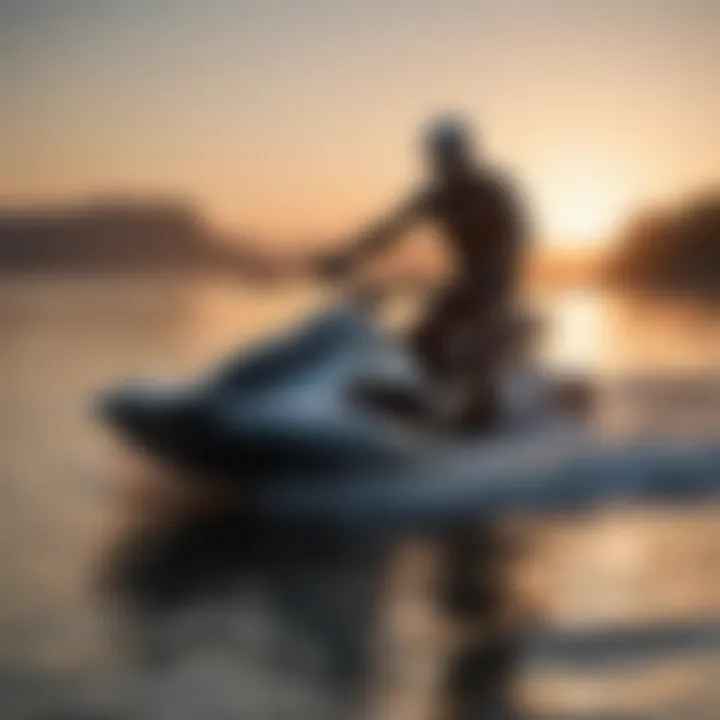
<point x="583" y="205"/>
<point x="584" y="218"/>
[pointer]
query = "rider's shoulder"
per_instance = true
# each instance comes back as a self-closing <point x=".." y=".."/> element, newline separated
<point x="504" y="187"/>
<point x="424" y="198"/>
<point x="497" y="179"/>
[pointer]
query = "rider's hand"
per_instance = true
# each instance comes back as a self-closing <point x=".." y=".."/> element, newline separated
<point x="333" y="266"/>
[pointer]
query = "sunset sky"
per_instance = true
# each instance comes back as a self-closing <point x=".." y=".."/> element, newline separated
<point x="299" y="118"/>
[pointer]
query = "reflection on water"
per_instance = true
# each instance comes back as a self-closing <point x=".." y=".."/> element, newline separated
<point x="612" y="335"/>
<point x="63" y="339"/>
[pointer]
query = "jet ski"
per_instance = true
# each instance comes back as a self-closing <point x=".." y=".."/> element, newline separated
<point x="286" y="419"/>
<point x="280" y="410"/>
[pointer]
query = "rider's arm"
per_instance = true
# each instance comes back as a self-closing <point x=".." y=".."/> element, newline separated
<point x="382" y="234"/>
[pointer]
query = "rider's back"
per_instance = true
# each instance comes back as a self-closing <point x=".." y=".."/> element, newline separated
<point x="482" y="220"/>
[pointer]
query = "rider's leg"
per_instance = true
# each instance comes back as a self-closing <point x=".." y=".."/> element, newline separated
<point x="481" y="409"/>
<point x="478" y="366"/>
<point x="431" y="339"/>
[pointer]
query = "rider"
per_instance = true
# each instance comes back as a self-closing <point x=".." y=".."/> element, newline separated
<point x="481" y="216"/>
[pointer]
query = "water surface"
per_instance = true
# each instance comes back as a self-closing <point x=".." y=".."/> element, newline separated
<point x="63" y="339"/>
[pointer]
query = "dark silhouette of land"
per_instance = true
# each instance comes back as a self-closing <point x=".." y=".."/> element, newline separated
<point x="676" y="249"/>
<point x="660" y="249"/>
<point x="119" y="236"/>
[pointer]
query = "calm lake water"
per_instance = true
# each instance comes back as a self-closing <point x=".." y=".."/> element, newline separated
<point x="63" y="339"/>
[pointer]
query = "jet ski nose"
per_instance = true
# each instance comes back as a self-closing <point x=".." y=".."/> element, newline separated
<point x="115" y="407"/>
<point x="164" y="420"/>
<point x="137" y="410"/>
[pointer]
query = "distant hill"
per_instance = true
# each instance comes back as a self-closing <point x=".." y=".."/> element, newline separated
<point x="673" y="249"/>
<point x="116" y="237"/>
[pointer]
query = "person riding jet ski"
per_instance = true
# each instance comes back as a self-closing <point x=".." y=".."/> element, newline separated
<point x="483" y="220"/>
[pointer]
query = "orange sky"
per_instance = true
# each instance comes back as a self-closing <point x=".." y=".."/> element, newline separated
<point x="298" y="118"/>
